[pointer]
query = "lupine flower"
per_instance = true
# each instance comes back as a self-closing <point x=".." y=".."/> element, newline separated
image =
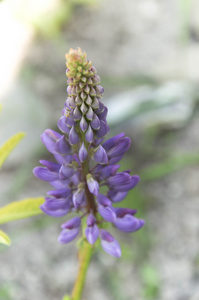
<point x="85" y="162"/>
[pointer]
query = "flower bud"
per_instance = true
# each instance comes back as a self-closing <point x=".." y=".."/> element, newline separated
<point x="83" y="124"/>
<point x="83" y="153"/>
<point x="89" y="135"/>
<point x="73" y="136"/>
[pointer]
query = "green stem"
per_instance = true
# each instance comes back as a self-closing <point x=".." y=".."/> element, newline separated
<point x="84" y="256"/>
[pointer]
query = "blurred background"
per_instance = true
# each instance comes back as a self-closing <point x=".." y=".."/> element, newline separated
<point x="147" y="55"/>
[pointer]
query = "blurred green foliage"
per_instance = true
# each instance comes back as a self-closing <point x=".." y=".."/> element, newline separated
<point x="50" y="24"/>
<point x="5" y="292"/>
<point x="151" y="281"/>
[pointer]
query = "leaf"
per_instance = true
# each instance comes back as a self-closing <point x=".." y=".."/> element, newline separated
<point x="0" y="107"/>
<point x="4" y="239"/>
<point x="21" y="209"/>
<point x="9" y="145"/>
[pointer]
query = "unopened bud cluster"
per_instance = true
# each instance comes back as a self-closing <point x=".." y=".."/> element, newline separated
<point x="85" y="162"/>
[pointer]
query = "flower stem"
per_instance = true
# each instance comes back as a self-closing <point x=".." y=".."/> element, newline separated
<point x="84" y="256"/>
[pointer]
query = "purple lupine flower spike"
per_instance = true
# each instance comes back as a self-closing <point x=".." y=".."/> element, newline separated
<point x="85" y="162"/>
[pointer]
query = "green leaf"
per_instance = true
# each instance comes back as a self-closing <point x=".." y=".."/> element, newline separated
<point x="0" y="106"/>
<point x="21" y="209"/>
<point x="9" y="145"/>
<point x="4" y="239"/>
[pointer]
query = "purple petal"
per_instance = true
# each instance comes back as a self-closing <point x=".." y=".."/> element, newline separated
<point x="68" y="90"/>
<point x="107" y="171"/>
<point x="116" y="196"/>
<point x="115" y="160"/>
<point x="108" y="213"/>
<point x="100" y="155"/>
<point x="100" y="107"/>
<point x="60" y="184"/>
<point x="121" y="212"/>
<point x="96" y="79"/>
<point x="78" y="100"/>
<point x="54" y="213"/>
<point x="62" y="125"/>
<point x="92" y="91"/>
<point x="109" y="244"/>
<point x="95" y="103"/>
<point x="83" y="108"/>
<point x="99" y="89"/>
<point x="92" y="234"/>
<point x="76" y="160"/>
<point x="73" y="91"/>
<point x="103" y="200"/>
<point x="83" y="124"/>
<point x="69" y="121"/>
<point x="70" y="103"/>
<point x="122" y="182"/>
<point x="108" y="144"/>
<point x="49" y="138"/>
<point x="89" y="100"/>
<point x="77" y="114"/>
<point x="68" y="235"/>
<point x="95" y="123"/>
<point x="102" y="115"/>
<point x="134" y="181"/>
<point x="128" y="223"/>
<point x="66" y="171"/>
<point x="50" y="165"/>
<point x="75" y="179"/>
<point x="62" y="146"/>
<point x="79" y="197"/>
<point x="104" y="129"/>
<point x="91" y="220"/>
<point x="60" y="193"/>
<point x="73" y="136"/>
<point x="44" y="174"/>
<point x="83" y="153"/>
<point x="63" y="159"/>
<point x="120" y="148"/>
<point x="86" y="88"/>
<point x="89" y="134"/>
<point x="53" y="204"/>
<point x="72" y="223"/>
<point x="90" y="114"/>
<point x="83" y="95"/>
<point x="93" y="185"/>
<point x="121" y="178"/>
